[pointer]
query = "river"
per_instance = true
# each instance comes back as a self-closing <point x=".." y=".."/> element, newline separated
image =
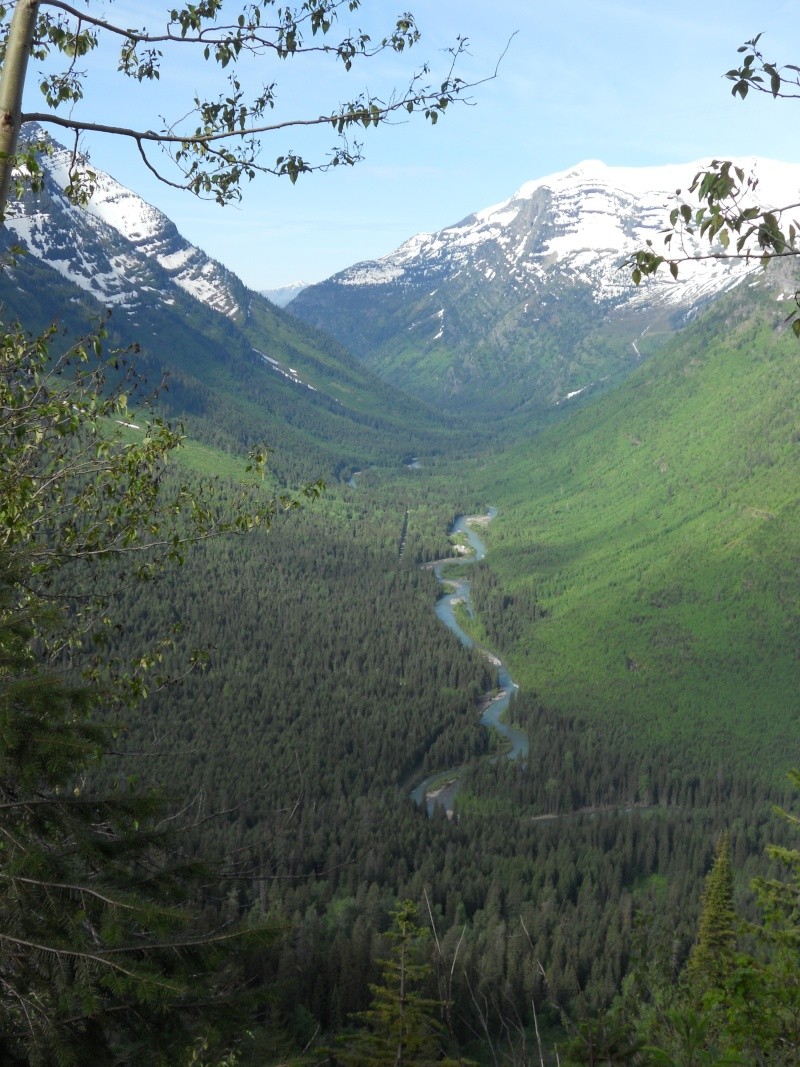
<point x="440" y="788"/>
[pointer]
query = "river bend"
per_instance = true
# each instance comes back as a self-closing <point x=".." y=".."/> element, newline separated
<point x="440" y="788"/>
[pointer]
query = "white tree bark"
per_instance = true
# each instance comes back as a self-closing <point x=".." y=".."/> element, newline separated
<point x="12" y="83"/>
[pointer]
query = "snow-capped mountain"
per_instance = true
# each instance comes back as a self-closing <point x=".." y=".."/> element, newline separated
<point x="530" y="292"/>
<point x="122" y="246"/>
<point x="285" y="293"/>
<point x="241" y="369"/>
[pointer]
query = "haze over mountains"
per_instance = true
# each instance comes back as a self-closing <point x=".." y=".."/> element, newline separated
<point x="524" y="305"/>
<point x="285" y="294"/>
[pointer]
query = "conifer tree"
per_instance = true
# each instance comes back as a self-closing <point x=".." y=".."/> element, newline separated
<point x="400" y="1026"/>
<point x="764" y="1009"/>
<point x="101" y="958"/>
<point x="712" y="954"/>
<point x="750" y="1001"/>
<point x="105" y="956"/>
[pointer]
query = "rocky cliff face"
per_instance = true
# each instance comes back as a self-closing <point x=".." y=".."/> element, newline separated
<point x="119" y="246"/>
<point x="525" y="302"/>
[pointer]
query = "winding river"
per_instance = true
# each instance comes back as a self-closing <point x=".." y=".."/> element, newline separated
<point x="441" y="787"/>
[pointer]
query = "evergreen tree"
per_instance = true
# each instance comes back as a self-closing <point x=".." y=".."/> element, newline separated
<point x="102" y="960"/>
<point x="712" y="954"/>
<point x="764" y="1008"/>
<point x="105" y="955"/>
<point x="400" y="1026"/>
<point x="749" y="1002"/>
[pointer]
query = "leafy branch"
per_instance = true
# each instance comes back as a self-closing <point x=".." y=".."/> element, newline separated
<point x="756" y="73"/>
<point x="722" y="208"/>
<point x="217" y="144"/>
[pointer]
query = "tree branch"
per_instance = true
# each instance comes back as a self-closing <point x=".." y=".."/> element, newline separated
<point x="361" y="115"/>
<point x="72" y="954"/>
<point x="71" y="888"/>
<point x="248" y="34"/>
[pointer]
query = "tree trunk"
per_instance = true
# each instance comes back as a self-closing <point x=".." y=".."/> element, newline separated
<point x="12" y="83"/>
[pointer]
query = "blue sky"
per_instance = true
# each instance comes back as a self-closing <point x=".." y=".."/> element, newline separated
<point x="630" y="82"/>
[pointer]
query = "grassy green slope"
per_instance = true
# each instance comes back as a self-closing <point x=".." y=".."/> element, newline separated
<point x="338" y="418"/>
<point x="657" y="532"/>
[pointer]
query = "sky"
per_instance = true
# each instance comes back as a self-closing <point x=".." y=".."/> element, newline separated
<point x="628" y="82"/>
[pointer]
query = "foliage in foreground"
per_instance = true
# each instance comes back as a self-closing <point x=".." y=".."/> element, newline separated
<point x="736" y="1000"/>
<point x="216" y="145"/>
<point x="105" y="958"/>
<point x="401" y="1025"/>
<point x="107" y="954"/>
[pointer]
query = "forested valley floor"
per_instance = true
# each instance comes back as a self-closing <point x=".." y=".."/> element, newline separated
<point x="331" y="690"/>
<point x="641" y="585"/>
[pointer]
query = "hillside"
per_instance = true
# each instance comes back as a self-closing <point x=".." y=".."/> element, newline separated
<point x="646" y="550"/>
<point x="238" y="369"/>
<point x="522" y="307"/>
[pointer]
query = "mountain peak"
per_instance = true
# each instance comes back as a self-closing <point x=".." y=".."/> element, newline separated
<point x="449" y="312"/>
<point x="140" y="233"/>
<point x="284" y="294"/>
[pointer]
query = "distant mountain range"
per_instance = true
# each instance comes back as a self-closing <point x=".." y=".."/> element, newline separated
<point x="523" y="306"/>
<point x="285" y="293"/>
<point x="242" y="370"/>
<point x="516" y="313"/>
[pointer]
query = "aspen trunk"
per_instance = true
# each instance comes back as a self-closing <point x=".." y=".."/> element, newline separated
<point x="12" y="83"/>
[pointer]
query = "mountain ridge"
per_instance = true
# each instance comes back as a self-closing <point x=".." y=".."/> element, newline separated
<point x="527" y="297"/>
<point x="280" y="379"/>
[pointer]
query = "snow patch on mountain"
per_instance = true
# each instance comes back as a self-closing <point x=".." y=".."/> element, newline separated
<point x="291" y="374"/>
<point x="144" y="236"/>
<point x="372" y="273"/>
<point x="580" y="223"/>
